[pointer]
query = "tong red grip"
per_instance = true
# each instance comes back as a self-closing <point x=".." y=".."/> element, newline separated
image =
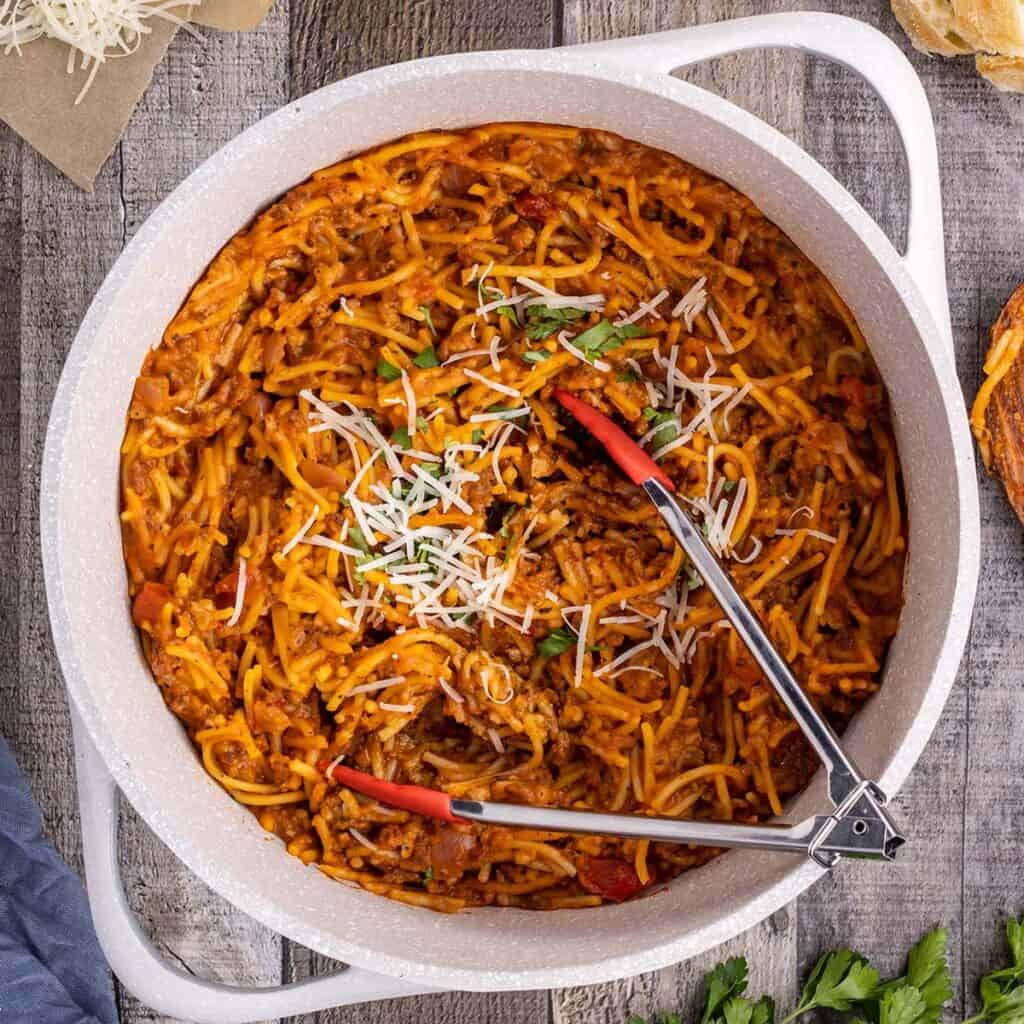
<point x="418" y="799"/>
<point x="628" y="455"/>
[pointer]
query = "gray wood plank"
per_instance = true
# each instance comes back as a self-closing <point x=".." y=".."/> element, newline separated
<point x="203" y="94"/>
<point x="10" y="319"/>
<point x="68" y="241"/>
<point x="770" y="85"/>
<point x="981" y="146"/>
<point x="332" y="39"/>
<point x="882" y="912"/>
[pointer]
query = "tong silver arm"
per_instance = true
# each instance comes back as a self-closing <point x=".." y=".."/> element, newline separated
<point x="860" y="803"/>
<point x="813" y="837"/>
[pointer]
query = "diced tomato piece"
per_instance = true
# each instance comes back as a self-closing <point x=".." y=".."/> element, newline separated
<point x="534" y="207"/>
<point x="855" y="391"/>
<point x="149" y="602"/>
<point x="609" y="877"/>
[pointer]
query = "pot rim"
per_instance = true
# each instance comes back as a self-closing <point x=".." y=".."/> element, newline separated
<point x="777" y="148"/>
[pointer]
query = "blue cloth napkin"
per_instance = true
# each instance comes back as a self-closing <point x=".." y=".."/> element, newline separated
<point x="51" y="967"/>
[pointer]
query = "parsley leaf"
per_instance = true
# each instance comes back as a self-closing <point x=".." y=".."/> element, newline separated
<point x="903" y="1005"/>
<point x="763" y="1011"/>
<point x="401" y="439"/>
<point x="428" y="874"/>
<point x="605" y="336"/>
<point x="477" y="436"/>
<point x="928" y="972"/>
<point x="358" y="539"/>
<point x="536" y="355"/>
<point x="665" y="423"/>
<point x="556" y="642"/>
<point x="429" y="321"/>
<point x="1015" y="939"/>
<point x="388" y="370"/>
<point x="628" y="376"/>
<point x="727" y="980"/>
<point x="729" y="486"/>
<point x="427" y="358"/>
<point x="545" y="321"/>
<point x="838" y="980"/>
<point x="1002" y="991"/>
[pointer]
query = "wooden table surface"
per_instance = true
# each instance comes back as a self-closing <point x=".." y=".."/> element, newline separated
<point x="961" y="805"/>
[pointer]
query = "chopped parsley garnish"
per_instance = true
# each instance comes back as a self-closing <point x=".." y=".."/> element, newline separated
<point x="401" y="439"/>
<point x="426" y="359"/>
<point x="605" y="336"/>
<point x="477" y="436"/>
<point x="358" y="539"/>
<point x="628" y="376"/>
<point x="430" y="323"/>
<point x="388" y="370"/>
<point x="545" y="321"/>
<point x="558" y="641"/>
<point x="428" y="874"/>
<point x="729" y="486"/>
<point x="508" y="311"/>
<point x="536" y="355"/>
<point x="666" y="424"/>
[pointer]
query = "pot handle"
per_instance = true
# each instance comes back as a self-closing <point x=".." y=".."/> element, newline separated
<point x="855" y="45"/>
<point x="141" y="967"/>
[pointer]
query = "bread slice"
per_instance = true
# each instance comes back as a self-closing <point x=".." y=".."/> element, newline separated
<point x="931" y="26"/>
<point x="997" y="418"/>
<point x="994" y="26"/>
<point x="1006" y="73"/>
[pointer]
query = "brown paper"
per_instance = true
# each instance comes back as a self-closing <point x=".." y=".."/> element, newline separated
<point x="231" y="15"/>
<point x="37" y="95"/>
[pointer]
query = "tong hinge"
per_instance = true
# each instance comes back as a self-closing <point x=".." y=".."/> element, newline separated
<point x="860" y="826"/>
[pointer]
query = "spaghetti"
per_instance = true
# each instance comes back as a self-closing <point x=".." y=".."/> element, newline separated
<point x="359" y="529"/>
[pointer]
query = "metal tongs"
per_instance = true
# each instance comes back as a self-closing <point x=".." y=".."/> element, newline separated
<point x="859" y="825"/>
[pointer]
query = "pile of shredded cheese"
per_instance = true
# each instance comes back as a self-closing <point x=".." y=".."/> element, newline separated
<point x="94" y="30"/>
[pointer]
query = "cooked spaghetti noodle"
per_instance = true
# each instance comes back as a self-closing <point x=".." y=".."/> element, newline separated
<point x="358" y="528"/>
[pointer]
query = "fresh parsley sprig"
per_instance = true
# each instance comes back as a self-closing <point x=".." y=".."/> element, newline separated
<point x="839" y="981"/>
<point x="543" y="321"/>
<point x="844" y="982"/>
<point x="604" y="337"/>
<point x="1002" y="990"/>
<point x="557" y="642"/>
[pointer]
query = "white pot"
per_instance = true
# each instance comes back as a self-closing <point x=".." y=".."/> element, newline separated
<point x="622" y="86"/>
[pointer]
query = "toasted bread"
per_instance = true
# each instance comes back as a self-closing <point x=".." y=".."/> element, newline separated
<point x="992" y="26"/>
<point x="997" y="417"/>
<point x="1005" y="73"/>
<point x="931" y="26"/>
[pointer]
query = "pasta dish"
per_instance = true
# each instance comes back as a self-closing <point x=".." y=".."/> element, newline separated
<point x="359" y="530"/>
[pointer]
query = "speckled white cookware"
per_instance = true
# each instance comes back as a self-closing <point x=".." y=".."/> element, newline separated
<point x="126" y="737"/>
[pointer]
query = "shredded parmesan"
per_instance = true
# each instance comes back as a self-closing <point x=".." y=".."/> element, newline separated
<point x="95" y="30"/>
<point x="239" y="594"/>
<point x="494" y="385"/>
<point x="692" y="303"/>
<point x="300" y="535"/>
<point x="645" y="309"/>
<point x="720" y="331"/>
<point x="360" y="838"/>
<point x="450" y="691"/>
<point x="598" y="364"/>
